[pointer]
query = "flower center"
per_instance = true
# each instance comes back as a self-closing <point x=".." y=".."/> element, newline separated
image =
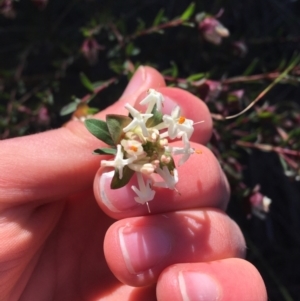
<point x="133" y="148"/>
<point x="181" y="120"/>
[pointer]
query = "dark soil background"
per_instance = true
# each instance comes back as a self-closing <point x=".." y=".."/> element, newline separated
<point x="40" y="62"/>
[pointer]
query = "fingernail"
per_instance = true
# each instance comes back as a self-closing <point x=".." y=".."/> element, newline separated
<point x="136" y="82"/>
<point x="116" y="200"/>
<point x="143" y="247"/>
<point x="198" y="287"/>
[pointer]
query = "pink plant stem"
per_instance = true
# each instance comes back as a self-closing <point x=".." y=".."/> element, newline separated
<point x="172" y="23"/>
<point x="99" y="89"/>
<point x="269" y="148"/>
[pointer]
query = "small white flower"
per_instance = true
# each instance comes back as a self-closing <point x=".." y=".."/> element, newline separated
<point x="163" y="142"/>
<point x="186" y="151"/>
<point x="138" y="120"/>
<point x="118" y="163"/>
<point x="165" y="159"/>
<point x="145" y="168"/>
<point x="169" y="180"/>
<point x="132" y="147"/>
<point x="144" y="192"/>
<point x="177" y="125"/>
<point x="153" y="135"/>
<point x="185" y="126"/>
<point x="153" y="98"/>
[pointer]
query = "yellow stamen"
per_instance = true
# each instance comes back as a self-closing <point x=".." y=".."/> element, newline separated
<point x="133" y="148"/>
<point x="181" y="120"/>
<point x="198" y="151"/>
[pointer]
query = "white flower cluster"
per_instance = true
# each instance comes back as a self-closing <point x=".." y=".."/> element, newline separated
<point x="145" y="149"/>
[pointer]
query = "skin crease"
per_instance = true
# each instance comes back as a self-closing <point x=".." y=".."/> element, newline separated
<point x="54" y="236"/>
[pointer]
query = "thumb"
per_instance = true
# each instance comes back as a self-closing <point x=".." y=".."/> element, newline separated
<point x="54" y="164"/>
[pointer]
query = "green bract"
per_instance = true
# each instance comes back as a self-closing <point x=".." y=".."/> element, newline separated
<point x="155" y="119"/>
<point x="105" y="151"/>
<point x="99" y="129"/>
<point x="116" y="182"/>
<point x="115" y="125"/>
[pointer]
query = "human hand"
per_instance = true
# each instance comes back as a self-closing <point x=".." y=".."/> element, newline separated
<point x="53" y="231"/>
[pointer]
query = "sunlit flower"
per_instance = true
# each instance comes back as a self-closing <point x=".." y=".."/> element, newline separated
<point x="153" y="98"/>
<point x="143" y="147"/>
<point x="144" y="168"/>
<point x="138" y="120"/>
<point x="186" y="151"/>
<point x="169" y="180"/>
<point x="144" y="191"/>
<point x="132" y="147"/>
<point x="178" y="125"/>
<point x="118" y="163"/>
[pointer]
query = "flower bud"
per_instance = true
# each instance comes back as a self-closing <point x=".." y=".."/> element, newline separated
<point x="212" y="30"/>
<point x="90" y="49"/>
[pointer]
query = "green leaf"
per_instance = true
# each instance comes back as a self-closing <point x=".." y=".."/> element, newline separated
<point x="158" y="17"/>
<point x="282" y="64"/>
<point x="188" y="24"/>
<point x="69" y="108"/>
<point x="174" y="69"/>
<point x="115" y="124"/>
<point x="92" y="111"/>
<point x="105" y="151"/>
<point x="116" y="66"/>
<point x="196" y="76"/>
<point x="232" y="98"/>
<point x="295" y="133"/>
<point x="251" y="67"/>
<point x="98" y="84"/>
<point x="116" y="182"/>
<point x="265" y="115"/>
<point x="188" y="12"/>
<point x="155" y="119"/>
<point x="141" y="25"/>
<point x="131" y="50"/>
<point x="86" y="82"/>
<point x="250" y="137"/>
<point x="99" y="129"/>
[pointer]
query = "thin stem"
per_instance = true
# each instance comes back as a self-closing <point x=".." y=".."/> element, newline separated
<point x="269" y="148"/>
<point x="88" y="97"/>
<point x="168" y="24"/>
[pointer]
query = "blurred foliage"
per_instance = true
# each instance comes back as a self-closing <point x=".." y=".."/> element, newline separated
<point x="59" y="58"/>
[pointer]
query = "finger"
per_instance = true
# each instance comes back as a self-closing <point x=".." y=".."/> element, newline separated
<point x="202" y="183"/>
<point x="56" y="163"/>
<point x="229" y="279"/>
<point x="138" y="249"/>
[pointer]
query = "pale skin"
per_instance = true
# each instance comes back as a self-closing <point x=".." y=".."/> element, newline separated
<point x="61" y="239"/>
